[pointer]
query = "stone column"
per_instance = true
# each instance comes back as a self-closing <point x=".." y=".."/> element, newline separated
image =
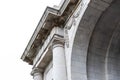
<point x="59" y="64"/>
<point x="37" y="75"/>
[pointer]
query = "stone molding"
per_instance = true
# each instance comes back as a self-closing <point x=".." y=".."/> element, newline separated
<point x="56" y="37"/>
<point x="36" y="71"/>
<point x="50" y="19"/>
<point x="57" y="43"/>
<point x="58" y="40"/>
<point x="75" y="15"/>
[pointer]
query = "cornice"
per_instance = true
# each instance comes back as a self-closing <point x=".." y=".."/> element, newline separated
<point x="51" y="18"/>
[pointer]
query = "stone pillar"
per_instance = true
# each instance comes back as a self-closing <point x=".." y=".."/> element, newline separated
<point x="59" y="64"/>
<point x="37" y="75"/>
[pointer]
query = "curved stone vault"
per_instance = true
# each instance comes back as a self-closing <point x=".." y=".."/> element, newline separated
<point x="96" y="48"/>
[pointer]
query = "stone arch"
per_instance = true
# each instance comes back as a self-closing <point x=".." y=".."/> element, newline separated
<point x="80" y="64"/>
<point x="113" y="57"/>
<point x="104" y="48"/>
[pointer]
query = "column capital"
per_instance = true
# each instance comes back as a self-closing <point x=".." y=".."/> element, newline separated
<point x="58" y="41"/>
<point x="35" y="71"/>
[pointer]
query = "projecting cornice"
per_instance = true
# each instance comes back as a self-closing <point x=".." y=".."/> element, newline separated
<point x="52" y="17"/>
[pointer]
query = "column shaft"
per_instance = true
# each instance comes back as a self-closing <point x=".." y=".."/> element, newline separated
<point x="59" y="65"/>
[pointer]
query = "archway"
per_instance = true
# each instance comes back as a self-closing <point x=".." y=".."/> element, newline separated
<point x="104" y="48"/>
<point x="96" y="48"/>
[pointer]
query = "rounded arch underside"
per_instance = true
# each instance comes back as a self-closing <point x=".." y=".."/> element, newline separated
<point x="97" y="40"/>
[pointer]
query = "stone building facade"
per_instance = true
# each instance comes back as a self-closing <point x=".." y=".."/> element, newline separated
<point x="77" y="40"/>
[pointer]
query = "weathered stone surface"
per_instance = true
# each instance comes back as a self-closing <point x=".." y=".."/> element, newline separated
<point x="84" y="45"/>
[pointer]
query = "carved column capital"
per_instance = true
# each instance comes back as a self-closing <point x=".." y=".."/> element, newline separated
<point x="58" y="41"/>
<point x="35" y="71"/>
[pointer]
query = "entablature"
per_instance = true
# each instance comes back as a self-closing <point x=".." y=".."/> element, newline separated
<point x="50" y="19"/>
<point x="44" y="55"/>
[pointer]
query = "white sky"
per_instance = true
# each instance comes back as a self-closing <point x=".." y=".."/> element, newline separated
<point x="18" y="20"/>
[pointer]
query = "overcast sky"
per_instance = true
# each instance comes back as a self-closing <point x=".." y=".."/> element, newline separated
<point x="18" y="20"/>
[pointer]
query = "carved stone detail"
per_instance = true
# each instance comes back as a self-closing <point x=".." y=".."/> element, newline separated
<point x="35" y="70"/>
<point x="73" y="20"/>
<point x="58" y="40"/>
<point x="66" y="37"/>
